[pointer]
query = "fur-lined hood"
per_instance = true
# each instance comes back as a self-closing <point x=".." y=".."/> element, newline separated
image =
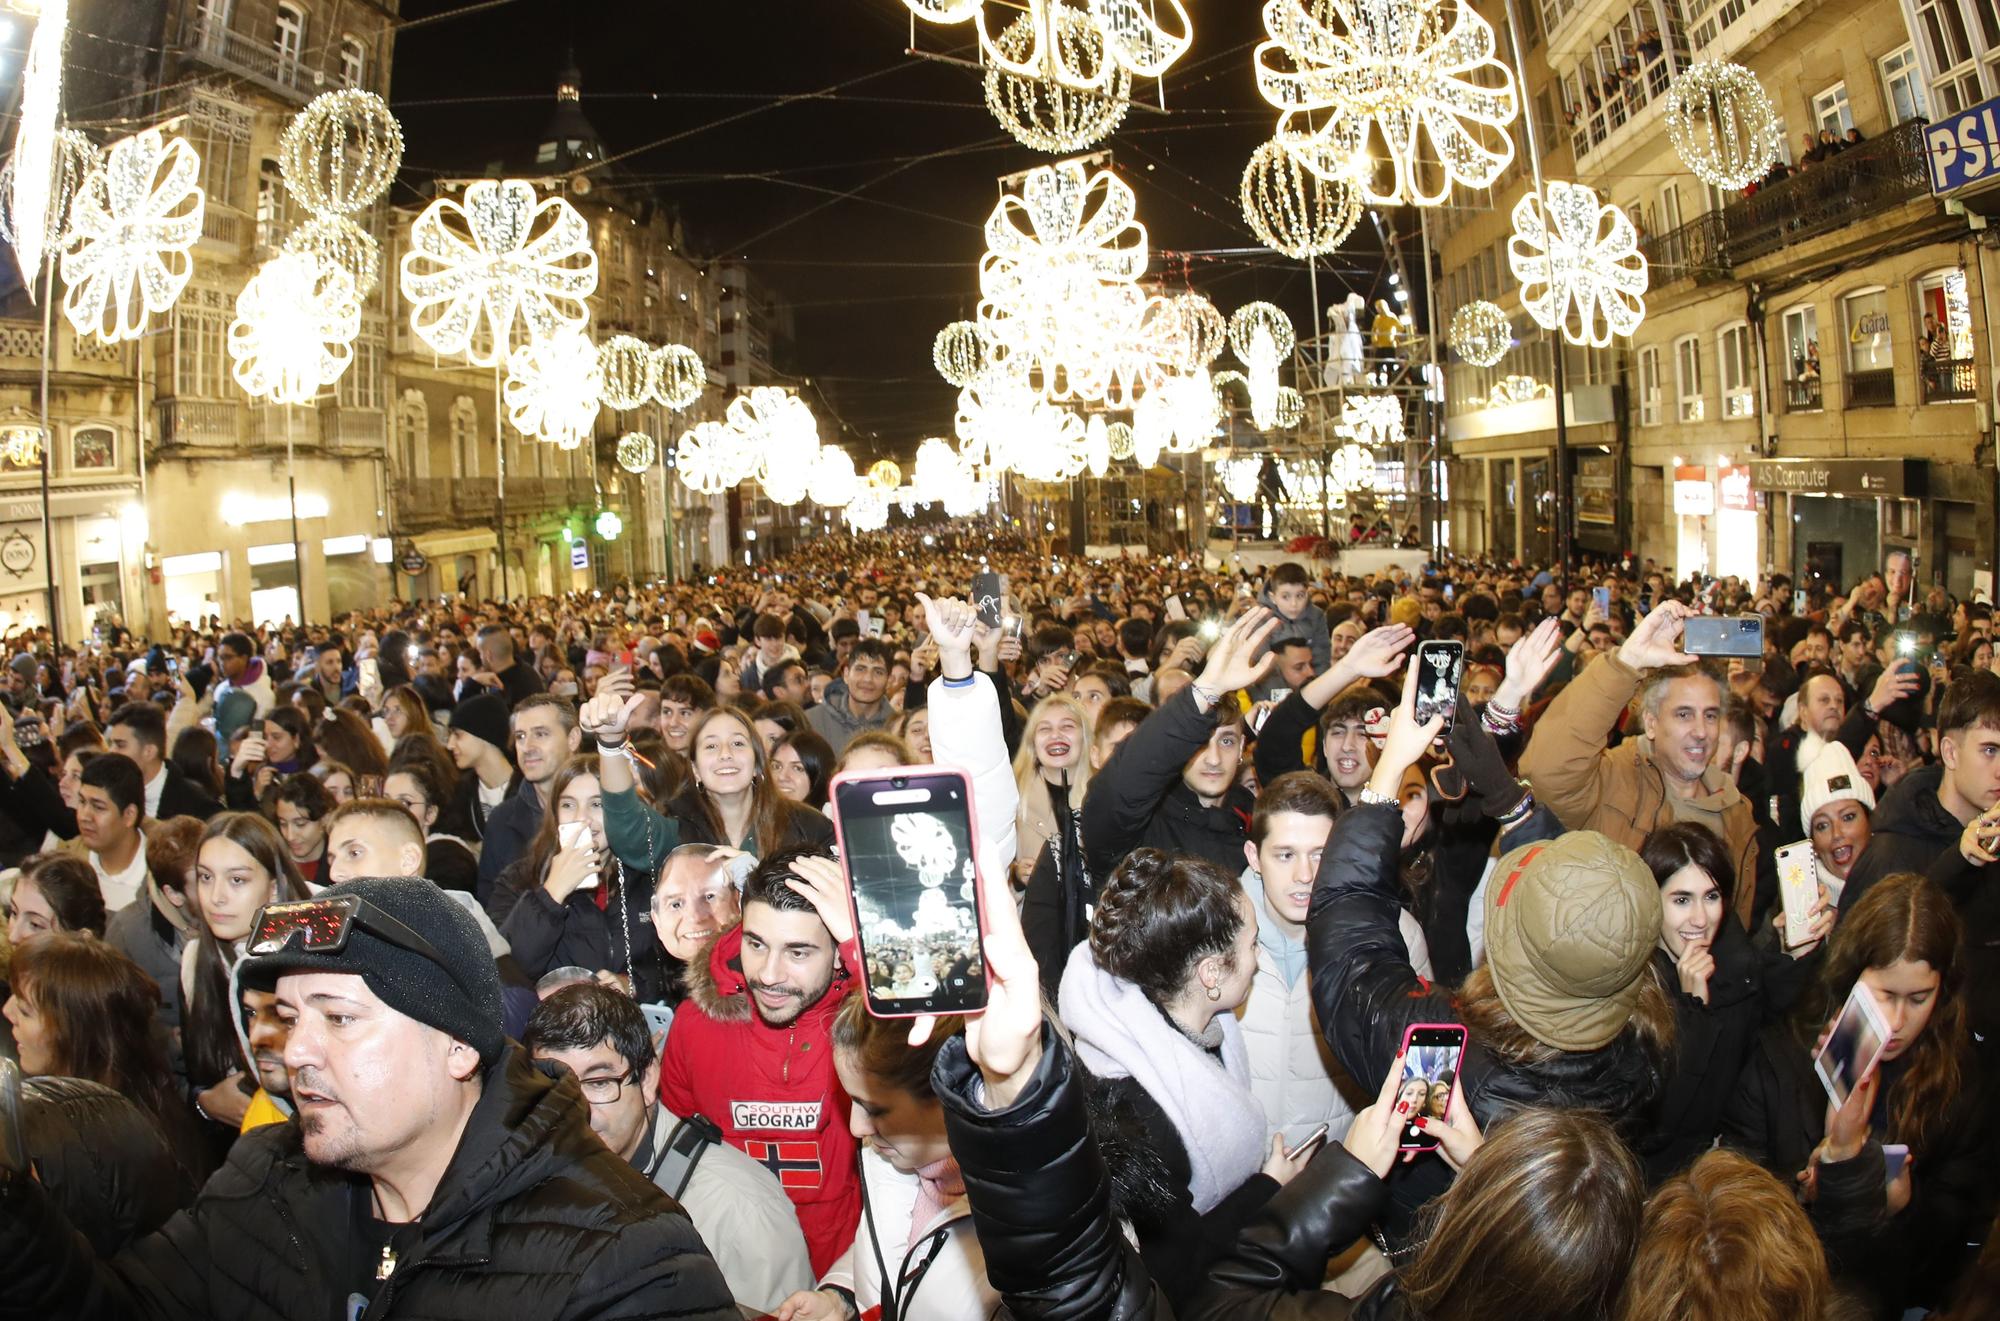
<point x="716" y="986"/>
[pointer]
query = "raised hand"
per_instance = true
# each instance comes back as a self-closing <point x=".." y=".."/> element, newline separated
<point x="1530" y="661"/>
<point x="1406" y="740"/>
<point x="608" y="713"/>
<point x="954" y="626"/>
<point x="1899" y="680"/>
<point x="1376" y="653"/>
<point x="1375" y="1134"/>
<point x="822" y="882"/>
<point x="1233" y="661"/>
<point x="1656" y="642"/>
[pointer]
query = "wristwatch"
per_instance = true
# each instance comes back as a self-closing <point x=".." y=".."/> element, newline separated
<point x="1370" y="797"/>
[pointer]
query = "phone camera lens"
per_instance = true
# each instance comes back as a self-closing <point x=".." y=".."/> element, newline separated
<point x="900" y="783"/>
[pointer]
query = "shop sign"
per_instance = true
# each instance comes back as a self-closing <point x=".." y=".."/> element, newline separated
<point x="1693" y="492"/>
<point x="414" y="562"/>
<point x="1870" y="477"/>
<point x="579" y="555"/>
<point x="1964" y="149"/>
<point x="1736" y="492"/>
<point x="17" y="553"/>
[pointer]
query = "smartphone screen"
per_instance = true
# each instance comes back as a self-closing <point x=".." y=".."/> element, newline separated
<point x="1440" y="665"/>
<point x="1727" y="635"/>
<point x="1857" y="1041"/>
<point x="906" y="846"/>
<point x="1798" y="887"/>
<point x="1601" y="598"/>
<point x="1174" y="608"/>
<point x="1431" y="1052"/>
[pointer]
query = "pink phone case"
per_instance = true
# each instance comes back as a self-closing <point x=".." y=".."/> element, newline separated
<point x="1411" y="1031"/>
<point x="978" y="864"/>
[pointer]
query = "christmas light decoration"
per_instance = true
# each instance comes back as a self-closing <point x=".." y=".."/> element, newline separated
<point x="1096" y="445"/>
<point x="1118" y="440"/>
<point x="337" y="239"/>
<point x="71" y="163"/>
<point x="294" y="330"/>
<point x="1402" y="97"/>
<point x="1291" y="409"/>
<point x="22" y="445"/>
<point x="609" y="525"/>
<point x="1372" y="419"/>
<point x="938" y="469"/>
<point x="868" y="511"/>
<point x="1480" y="333"/>
<point x="1517" y="390"/>
<point x="1152" y="430"/>
<point x="554" y="388"/>
<point x="833" y="482"/>
<point x="488" y="274"/>
<point x="135" y="219"/>
<point x="636" y="451"/>
<point x="680" y="374"/>
<point x="1045" y="115"/>
<point x="1721" y="124"/>
<point x="628" y="366"/>
<point x="1200" y="334"/>
<point x="1261" y="336"/>
<point x="32" y="203"/>
<point x="707" y="460"/>
<point x="1294" y="211"/>
<point x="958" y="352"/>
<point x="1351" y="468"/>
<point x="1194" y="411"/>
<point x="1580" y="268"/>
<point x="1238" y="475"/>
<point x="884" y="475"/>
<point x="341" y="153"/>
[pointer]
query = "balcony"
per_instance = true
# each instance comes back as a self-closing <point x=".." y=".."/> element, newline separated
<point x="1876" y="389"/>
<point x="225" y="227"/>
<point x="209" y="39"/>
<point x="198" y="422"/>
<point x="276" y="426"/>
<point x="1864" y="181"/>
<point x="1948" y="380"/>
<point x="352" y="428"/>
<point x="1730" y="29"/>
<point x="1614" y="96"/>
<point x="1696" y="251"/>
<point x="21" y="351"/>
<point x="1803" y="396"/>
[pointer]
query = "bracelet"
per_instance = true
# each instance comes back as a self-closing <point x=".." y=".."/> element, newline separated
<point x="1368" y="797"/>
<point x="1519" y="812"/>
<point x="1203" y="695"/>
<point x="612" y="744"/>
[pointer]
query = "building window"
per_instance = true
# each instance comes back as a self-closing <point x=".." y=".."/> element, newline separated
<point x="220" y="135"/>
<point x="1831" y="111"/>
<point x="1943" y="26"/>
<point x="1802" y="378"/>
<point x="1871" y="380"/>
<point x="93" y="449"/>
<point x="291" y="40"/>
<point x="1944" y="344"/>
<point x="1687" y="377"/>
<point x="1649" y="387"/>
<point x="360" y="386"/>
<point x="201" y="332"/>
<point x="270" y="204"/>
<point x="353" y="61"/>
<point x="1735" y="366"/>
<point x="465" y="436"/>
<point x="1903" y="86"/>
<point x="413" y="427"/>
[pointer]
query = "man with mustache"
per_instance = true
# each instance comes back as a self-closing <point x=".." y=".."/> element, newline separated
<point x="751" y="1050"/>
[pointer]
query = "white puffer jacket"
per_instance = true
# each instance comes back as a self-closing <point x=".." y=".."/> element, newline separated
<point x="943" y="1273"/>
<point x="1292" y="1070"/>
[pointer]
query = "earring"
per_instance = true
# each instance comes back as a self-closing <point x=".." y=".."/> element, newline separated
<point x="1215" y="992"/>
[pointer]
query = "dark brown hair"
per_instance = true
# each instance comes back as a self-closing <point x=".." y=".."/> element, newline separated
<point x="1158" y="914"/>
<point x="208" y="1030"/>
<point x="1688" y="844"/>
<point x="170" y="850"/>
<point x="881" y="1047"/>
<point x="100" y="1008"/>
<point x="1726" y="1239"/>
<point x="1303" y="792"/>
<point x="70" y="887"/>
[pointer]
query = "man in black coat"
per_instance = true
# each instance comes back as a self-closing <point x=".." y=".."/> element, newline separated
<point x="139" y="731"/>
<point x="433" y="1171"/>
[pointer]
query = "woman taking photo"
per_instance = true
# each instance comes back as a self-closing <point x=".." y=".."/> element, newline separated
<point x="1902" y="1242"/>
<point x="1151" y="1000"/>
<point x="282" y="746"/>
<point x="241" y="865"/>
<point x="55" y="892"/>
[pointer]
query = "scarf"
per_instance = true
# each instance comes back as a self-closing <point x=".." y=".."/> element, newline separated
<point x="1121" y="1034"/>
<point x="938" y="1185"/>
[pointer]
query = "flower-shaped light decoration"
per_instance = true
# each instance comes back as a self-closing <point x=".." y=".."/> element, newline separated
<point x="834" y="482"/>
<point x="636" y="451"/>
<point x="958" y="352"/>
<point x="1050" y="446"/>
<point x="1261" y="336"/>
<point x="1722" y="125"/>
<point x="32" y="194"/>
<point x="554" y="388"/>
<point x="681" y="376"/>
<point x="629" y="369"/>
<point x="73" y="159"/>
<point x="938" y="469"/>
<point x="341" y="153"/>
<point x="1580" y="268"/>
<point x="486" y="275"/>
<point x="1195" y="412"/>
<point x="1118" y="440"/>
<point x="1058" y="283"/>
<point x="994" y="409"/>
<point x="1372" y="419"/>
<point x="868" y="511"/>
<point x="135" y="218"/>
<point x="1096" y="445"/>
<point x="1293" y="210"/>
<point x="1046" y="115"/>
<point x="1480" y="333"/>
<point x="1403" y="97"/>
<point x="1351" y="468"/>
<point x="779" y="429"/>
<point x="709" y="459"/>
<point x="294" y="330"/>
<point x="336" y="239"/>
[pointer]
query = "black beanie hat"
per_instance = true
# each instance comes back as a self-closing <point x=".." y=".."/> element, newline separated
<point x="466" y="1008"/>
<point x="484" y="717"/>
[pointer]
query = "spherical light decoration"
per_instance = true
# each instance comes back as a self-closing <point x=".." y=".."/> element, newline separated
<point x="1480" y="333"/>
<point x="1118" y="440"/>
<point x="628" y="366"/>
<point x="341" y="153"/>
<point x="1261" y="336"/>
<point x="958" y="352"/>
<point x="1200" y="335"/>
<point x="609" y="525"/>
<point x="1403" y="98"/>
<point x="868" y="511"/>
<point x="74" y="158"/>
<point x="834" y="482"/>
<point x="294" y="330"/>
<point x="884" y="475"/>
<point x="1294" y="211"/>
<point x="135" y="220"/>
<point x="336" y="239"/>
<point x="554" y="388"/>
<point x="1580" y="267"/>
<point x="1043" y="114"/>
<point x="487" y="275"/>
<point x="1721" y="124"/>
<point x="636" y="451"/>
<point x="681" y="375"/>
<point x="32" y="193"/>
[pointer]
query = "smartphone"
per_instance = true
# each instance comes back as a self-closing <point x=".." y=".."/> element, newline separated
<point x="1798" y="885"/>
<point x="1431" y="1054"/>
<point x="576" y="835"/>
<point x="1895" y="1155"/>
<point x="1724" y="635"/>
<point x="1450" y="591"/>
<point x="370" y="671"/>
<point x="1440" y="666"/>
<point x="174" y="666"/>
<point x="905" y="836"/>
<point x="1010" y="626"/>
<point x="1799" y="601"/>
<point x="987" y="589"/>
<point x="1855" y="1045"/>
<point x="875" y="627"/>
<point x="1070" y="658"/>
<point x="1174" y="608"/>
<point x="1313" y="1139"/>
<point x="1601" y="598"/>
<point x="865" y="622"/>
<point x="659" y="1020"/>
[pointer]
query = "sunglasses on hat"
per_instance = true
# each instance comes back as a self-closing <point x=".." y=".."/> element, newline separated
<point x="323" y="925"/>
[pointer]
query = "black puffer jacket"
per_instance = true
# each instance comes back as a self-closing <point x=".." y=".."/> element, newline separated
<point x="103" y="1159"/>
<point x="1041" y="1201"/>
<point x="534" y="1219"/>
<point x="1138" y="800"/>
<point x="1907" y="832"/>
<point x="576" y="932"/>
<point x="1366" y="994"/>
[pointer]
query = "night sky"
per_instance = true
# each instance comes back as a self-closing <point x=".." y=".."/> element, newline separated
<point x="860" y="208"/>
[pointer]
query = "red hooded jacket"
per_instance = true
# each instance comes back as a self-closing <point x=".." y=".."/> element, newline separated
<point x="771" y="1090"/>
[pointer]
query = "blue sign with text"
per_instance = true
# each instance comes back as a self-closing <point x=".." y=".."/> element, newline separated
<point x="1964" y="149"/>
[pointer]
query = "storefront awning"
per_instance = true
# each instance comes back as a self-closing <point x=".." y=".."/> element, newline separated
<point x="454" y="543"/>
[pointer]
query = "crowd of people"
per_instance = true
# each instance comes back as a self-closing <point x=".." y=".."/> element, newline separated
<point x="461" y="958"/>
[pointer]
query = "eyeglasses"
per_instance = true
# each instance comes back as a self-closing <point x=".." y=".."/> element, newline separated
<point x="322" y="926"/>
<point x="606" y="1091"/>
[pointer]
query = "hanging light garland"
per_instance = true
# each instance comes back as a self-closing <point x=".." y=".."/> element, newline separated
<point x="294" y="330"/>
<point x="486" y="275"/>
<point x="1480" y="333"/>
<point x="1045" y="115"/>
<point x="958" y="352"/>
<point x="628" y="366"/>
<point x="340" y="241"/>
<point x="554" y="388"/>
<point x="32" y="201"/>
<point x="1402" y="97"/>
<point x="1294" y="211"/>
<point x="1580" y="267"/>
<point x="636" y="451"/>
<point x="133" y="225"/>
<point x="1722" y="124"/>
<point x="680" y="374"/>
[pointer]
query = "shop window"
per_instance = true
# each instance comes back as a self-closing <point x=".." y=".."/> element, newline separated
<point x="1869" y="330"/>
<point x="1802" y="372"/>
<point x="93" y="449"/>
<point x="1687" y="377"/>
<point x="1735" y="368"/>
<point x="1649" y="386"/>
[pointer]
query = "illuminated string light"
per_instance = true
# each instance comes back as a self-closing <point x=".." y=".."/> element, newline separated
<point x="133" y="225"/>
<point x="636" y="451"/>
<point x="38" y="150"/>
<point x="1480" y="333"/>
<point x="340" y="154"/>
<point x="885" y="475"/>
<point x="1096" y="445"/>
<point x="1261" y="336"/>
<point x="834" y="482"/>
<point x="337" y="239"/>
<point x="706" y="459"/>
<point x="554" y="388"/>
<point x="628" y="367"/>
<point x="294" y="331"/>
<point x="1046" y="115"/>
<point x="681" y="376"/>
<point x="868" y="511"/>
<point x="1294" y="211"/>
<point x="1580" y="267"/>
<point x="1118" y="440"/>
<point x="74" y="158"/>
<point x="1722" y="124"/>
<point x="958" y="352"/>
<point x="1372" y="419"/>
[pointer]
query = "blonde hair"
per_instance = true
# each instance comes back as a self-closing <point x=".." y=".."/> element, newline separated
<point x="1026" y="771"/>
